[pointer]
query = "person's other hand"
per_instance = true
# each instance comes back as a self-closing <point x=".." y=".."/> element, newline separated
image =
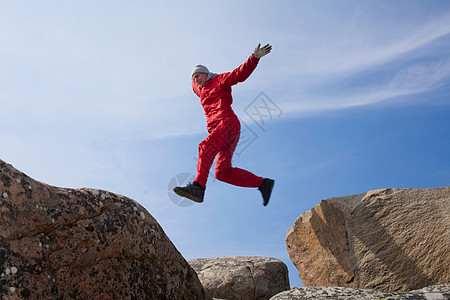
<point x="260" y="52"/>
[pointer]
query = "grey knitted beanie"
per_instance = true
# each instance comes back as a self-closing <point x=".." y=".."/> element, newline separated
<point x="199" y="69"/>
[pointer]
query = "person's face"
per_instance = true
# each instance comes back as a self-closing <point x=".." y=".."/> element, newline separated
<point x="200" y="78"/>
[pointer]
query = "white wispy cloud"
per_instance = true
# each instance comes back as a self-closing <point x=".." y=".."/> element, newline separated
<point x="405" y="65"/>
<point x="355" y="50"/>
<point x="422" y="76"/>
<point x="411" y="80"/>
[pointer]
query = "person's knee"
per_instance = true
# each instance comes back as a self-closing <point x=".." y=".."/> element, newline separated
<point x="221" y="172"/>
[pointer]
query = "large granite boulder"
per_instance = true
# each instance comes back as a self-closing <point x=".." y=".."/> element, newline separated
<point x="389" y="239"/>
<point x="58" y="243"/>
<point x="441" y="292"/>
<point x="242" y="277"/>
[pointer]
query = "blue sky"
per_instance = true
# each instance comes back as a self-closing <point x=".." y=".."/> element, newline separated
<point x="97" y="94"/>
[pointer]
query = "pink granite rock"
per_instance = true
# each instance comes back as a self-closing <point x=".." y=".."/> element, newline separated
<point x="59" y="243"/>
<point x="389" y="239"/>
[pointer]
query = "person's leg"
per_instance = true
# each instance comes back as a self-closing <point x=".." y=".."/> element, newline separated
<point x="222" y="142"/>
<point x="224" y="170"/>
<point x="206" y="155"/>
<point x="207" y="151"/>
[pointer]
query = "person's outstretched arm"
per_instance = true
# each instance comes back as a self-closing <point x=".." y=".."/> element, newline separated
<point x="242" y="72"/>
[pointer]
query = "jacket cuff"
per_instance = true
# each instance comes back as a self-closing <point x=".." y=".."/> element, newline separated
<point x="255" y="57"/>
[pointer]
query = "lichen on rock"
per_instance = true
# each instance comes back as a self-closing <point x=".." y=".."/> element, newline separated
<point x="388" y="239"/>
<point x="58" y="243"/>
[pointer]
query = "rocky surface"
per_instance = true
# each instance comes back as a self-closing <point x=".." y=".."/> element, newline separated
<point x="441" y="292"/>
<point x="242" y="277"/>
<point x="389" y="239"/>
<point x="58" y="243"/>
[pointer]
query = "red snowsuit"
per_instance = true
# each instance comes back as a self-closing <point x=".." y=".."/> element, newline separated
<point x="224" y="128"/>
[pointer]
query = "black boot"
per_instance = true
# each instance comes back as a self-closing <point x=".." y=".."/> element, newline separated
<point x="266" y="189"/>
<point x="193" y="191"/>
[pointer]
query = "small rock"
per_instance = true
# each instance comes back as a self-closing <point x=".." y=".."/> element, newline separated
<point x="326" y="293"/>
<point x="242" y="277"/>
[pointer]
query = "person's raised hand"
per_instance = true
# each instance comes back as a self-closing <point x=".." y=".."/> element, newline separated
<point x="260" y="52"/>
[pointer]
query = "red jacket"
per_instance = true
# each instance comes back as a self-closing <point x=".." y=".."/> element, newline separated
<point x="215" y="94"/>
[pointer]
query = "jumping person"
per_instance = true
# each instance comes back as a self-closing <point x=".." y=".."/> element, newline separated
<point x="214" y="91"/>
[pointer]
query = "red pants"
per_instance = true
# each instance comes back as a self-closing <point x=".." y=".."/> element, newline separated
<point x="221" y="142"/>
